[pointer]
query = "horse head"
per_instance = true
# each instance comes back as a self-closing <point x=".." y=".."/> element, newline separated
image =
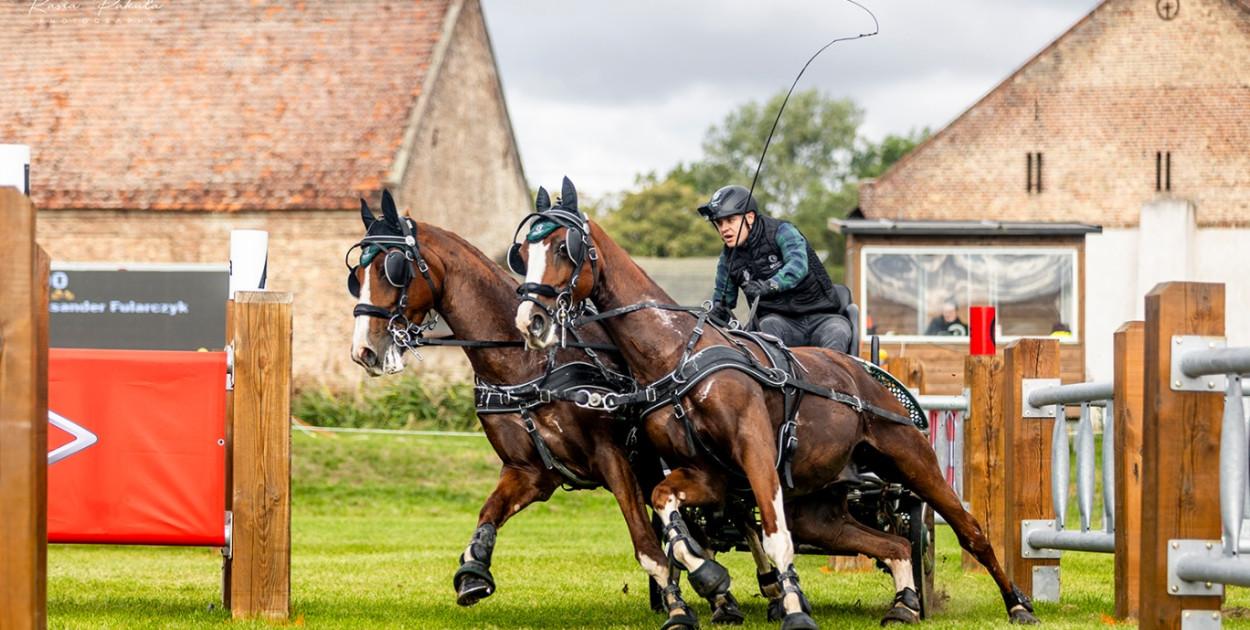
<point x="559" y="260"/>
<point x="389" y="295"/>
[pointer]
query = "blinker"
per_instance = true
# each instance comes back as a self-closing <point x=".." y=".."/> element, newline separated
<point x="574" y="244"/>
<point x="396" y="267"/>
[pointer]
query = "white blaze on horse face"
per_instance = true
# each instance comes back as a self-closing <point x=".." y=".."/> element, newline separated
<point x="537" y="267"/>
<point x="360" y="335"/>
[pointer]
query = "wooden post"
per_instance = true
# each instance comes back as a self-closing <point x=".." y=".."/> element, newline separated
<point x="984" y="454"/>
<point x="1028" y="456"/>
<point x="1180" y="448"/>
<point x="258" y="575"/>
<point x="1127" y="431"/>
<point x="23" y="417"/>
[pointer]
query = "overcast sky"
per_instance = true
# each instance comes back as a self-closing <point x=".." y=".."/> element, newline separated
<point x="601" y="91"/>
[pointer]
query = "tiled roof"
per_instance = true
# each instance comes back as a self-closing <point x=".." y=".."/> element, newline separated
<point x="212" y="104"/>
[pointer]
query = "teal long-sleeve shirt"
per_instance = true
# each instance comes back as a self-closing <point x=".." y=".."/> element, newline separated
<point x="793" y="254"/>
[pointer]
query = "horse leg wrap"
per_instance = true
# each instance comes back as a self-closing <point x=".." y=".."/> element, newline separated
<point x="710" y="579"/>
<point x="770" y="584"/>
<point x="473" y="580"/>
<point x="686" y="619"/>
<point x="906" y="608"/>
<point x="1016" y="598"/>
<point x="1019" y="608"/>
<point x="790" y="584"/>
<point x="676" y="532"/>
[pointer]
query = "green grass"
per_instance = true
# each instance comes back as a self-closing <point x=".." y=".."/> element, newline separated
<point x="377" y="525"/>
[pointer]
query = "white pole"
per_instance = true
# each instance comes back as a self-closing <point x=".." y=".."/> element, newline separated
<point x="15" y="167"/>
<point x="249" y="260"/>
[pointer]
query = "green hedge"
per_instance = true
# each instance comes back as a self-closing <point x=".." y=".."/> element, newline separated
<point x="407" y="403"/>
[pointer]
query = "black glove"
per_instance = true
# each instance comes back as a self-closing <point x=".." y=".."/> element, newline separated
<point x="720" y="314"/>
<point x="754" y="289"/>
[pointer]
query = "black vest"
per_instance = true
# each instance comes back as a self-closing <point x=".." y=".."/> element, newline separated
<point x="759" y="258"/>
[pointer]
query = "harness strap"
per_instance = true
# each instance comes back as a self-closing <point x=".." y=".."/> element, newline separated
<point x="575" y="480"/>
<point x="635" y="307"/>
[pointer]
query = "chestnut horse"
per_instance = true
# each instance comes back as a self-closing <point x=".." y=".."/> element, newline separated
<point x="410" y="268"/>
<point x="716" y="417"/>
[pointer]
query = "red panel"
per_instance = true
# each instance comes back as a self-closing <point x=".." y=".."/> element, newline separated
<point x="156" y="475"/>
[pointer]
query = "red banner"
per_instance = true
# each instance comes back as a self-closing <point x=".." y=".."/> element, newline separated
<point x="137" y="447"/>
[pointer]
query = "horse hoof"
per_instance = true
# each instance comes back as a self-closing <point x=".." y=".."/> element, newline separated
<point x="900" y="615"/>
<point x="728" y="614"/>
<point x="776" y="609"/>
<point x="799" y="621"/>
<point x="473" y="589"/>
<point x="1023" y="617"/>
<point x="681" y="622"/>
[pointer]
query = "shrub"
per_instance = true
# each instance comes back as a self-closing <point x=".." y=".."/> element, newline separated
<point x="407" y="403"/>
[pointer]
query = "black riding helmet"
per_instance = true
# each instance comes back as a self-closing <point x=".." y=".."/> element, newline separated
<point x="729" y="201"/>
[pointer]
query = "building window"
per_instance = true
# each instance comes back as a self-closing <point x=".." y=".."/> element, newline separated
<point x="1033" y="176"/>
<point x="1163" y="171"/>
<point x="906" y="289"/>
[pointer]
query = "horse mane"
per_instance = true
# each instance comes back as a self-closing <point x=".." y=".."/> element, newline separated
<point x="608" y="245"/>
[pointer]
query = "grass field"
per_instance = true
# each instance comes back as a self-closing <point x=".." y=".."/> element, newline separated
<point x="379" y="520"/>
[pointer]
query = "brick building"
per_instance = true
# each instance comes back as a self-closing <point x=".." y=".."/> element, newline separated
<point x="156" y="128"/>
<point x="1137" y="119"/>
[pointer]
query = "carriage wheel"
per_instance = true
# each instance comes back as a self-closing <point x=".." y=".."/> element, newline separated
<point x="920" y="535"/>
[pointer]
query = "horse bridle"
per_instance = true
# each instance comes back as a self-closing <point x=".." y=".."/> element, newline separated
<point x="578" y="248"/>
<point x="401" y="253"/>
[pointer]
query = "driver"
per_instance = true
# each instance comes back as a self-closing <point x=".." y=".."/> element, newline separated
<point x="771" y="261"/>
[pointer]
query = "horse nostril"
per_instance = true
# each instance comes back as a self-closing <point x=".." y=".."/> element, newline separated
<point x="537" y="324"/>
<point x="368" y="357"/>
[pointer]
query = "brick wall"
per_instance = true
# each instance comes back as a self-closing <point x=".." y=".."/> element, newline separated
<point x="1099" y="105"/>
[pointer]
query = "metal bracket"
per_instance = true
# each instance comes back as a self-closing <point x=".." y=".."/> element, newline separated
<point x="1028" y="386"/>
<point x="1184" y="344"/>
<point x="1201" y="620"/>
<point x="230" y="367"/>
<point x="227" y="551"/>
<point x="1046" y="583"/>
<point x="1035" y="553"/>
<point x="1177" y="549"/>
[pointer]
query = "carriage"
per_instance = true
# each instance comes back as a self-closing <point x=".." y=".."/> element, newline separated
<point x="861" y="415"/>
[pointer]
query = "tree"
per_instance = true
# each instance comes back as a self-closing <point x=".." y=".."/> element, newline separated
<point x="809" y="173"/>
<point x="660" y="220"/>
<point x="810" y="151"/>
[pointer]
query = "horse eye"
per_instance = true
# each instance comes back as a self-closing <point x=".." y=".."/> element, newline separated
<point x="563" y="248"/>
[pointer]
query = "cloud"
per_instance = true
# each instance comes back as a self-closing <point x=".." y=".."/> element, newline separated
<point x="612" y="89"/>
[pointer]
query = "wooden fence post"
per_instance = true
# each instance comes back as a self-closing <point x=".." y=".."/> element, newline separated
<point x="1127" y="431"/>
<point x="258" y="576"/>
<point x="1180" y="448"/>
<point x="23" y="417"/>
<point x="1028" y="456"/>
<point x="984" y="451"/>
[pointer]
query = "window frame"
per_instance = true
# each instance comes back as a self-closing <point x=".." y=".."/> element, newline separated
<point x="1071" y="317"/>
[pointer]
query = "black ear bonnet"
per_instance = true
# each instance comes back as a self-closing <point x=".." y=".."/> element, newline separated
<point x="395" y="239"/>
<point x="546" y="219"/>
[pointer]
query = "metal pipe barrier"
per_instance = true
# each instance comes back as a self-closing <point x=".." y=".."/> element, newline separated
<point x="946" y="436"/>
<point x="1044" y="538"/>
<point x="1195" y="566"/>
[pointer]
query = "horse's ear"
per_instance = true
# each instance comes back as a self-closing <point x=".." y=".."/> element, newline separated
<point x="389" y="213"/>
<point x="543" y="202"/>
<point x="366" y="215"/>
<point x="568" y="195"/>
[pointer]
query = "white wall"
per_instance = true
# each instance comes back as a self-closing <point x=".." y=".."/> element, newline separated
<point x="1122" y="265"/>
